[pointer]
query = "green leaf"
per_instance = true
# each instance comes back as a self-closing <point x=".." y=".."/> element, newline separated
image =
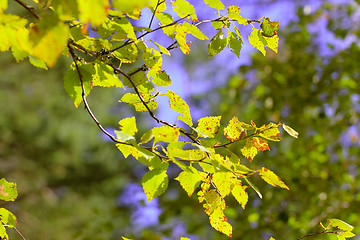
<point x="217" y="4"/>
<point x="72" y="84"/>
<point x="271" y="178"/>
<point x="217" y="43"/>
<point x="37" y="63"/>
<point x="166" y="134"/>
<point x="160" y="79"/>
<point x="234" y="130"/>
<point x="128" y="125"/>
<point x="3" y="5"/>
<point x="130" y="6"/>
<point x="161" y="48"/>
<point x="253" y="187"/>
<point x="209" y="126"/>
<point x="179" y="105"/>
<point x="7" y="218"/>
<point x="195" y="31"/>
<point x="124" y="137"/>
<point x="133" y="99"/>
<point x="269" y="29"/>
<point x="48" y="39"/>
<point x="155" y="182"/>
<point x="189" y="180"/>
<point x="105" y="77"/>
<point x="147" y="137"/>
<point x="137" y="76"/>
<point x="340" y="224"/>
<point x="127" y="54"/>
<point x="152" y="59"/>
<point x="240" y="194"/>
<point x="273" y="43"/>
<point x="180" y="36"/>
<point x="183" y="8"/>
<point x="123" y="25"/>
<point x="249" y="150"/>
<point x="290" y="131"/>
<point x="8" y="191"/>
<point x="235" y="43"/>
<point x="257" y="40"/>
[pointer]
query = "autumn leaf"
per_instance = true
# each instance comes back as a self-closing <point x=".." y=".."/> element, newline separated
<point x="260" y="144"/>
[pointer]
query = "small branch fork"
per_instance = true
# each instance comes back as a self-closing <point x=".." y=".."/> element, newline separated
<point x="16" y="231"/>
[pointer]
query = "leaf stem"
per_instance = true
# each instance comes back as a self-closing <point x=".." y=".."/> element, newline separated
<point x="318" y="233"/>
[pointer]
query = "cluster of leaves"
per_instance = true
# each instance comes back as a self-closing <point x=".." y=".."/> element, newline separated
<point x="8" y="192"/>
<point x="207" y="166"/>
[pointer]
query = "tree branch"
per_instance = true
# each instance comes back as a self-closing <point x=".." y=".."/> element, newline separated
<point x="29" y="9"/>
<point x="83" y="95"/>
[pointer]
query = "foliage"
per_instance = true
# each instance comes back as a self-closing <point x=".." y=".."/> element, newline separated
<point x="313" y="85"/>
<point x="208" y="166"/>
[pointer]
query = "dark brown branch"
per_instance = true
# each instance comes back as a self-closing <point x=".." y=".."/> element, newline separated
<point x="318" y="233"/>
<point x="153" y="15"/>
<point x="29" y="9"/>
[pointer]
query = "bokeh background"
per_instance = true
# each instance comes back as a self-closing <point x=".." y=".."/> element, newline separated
<point x="74" y="184"/>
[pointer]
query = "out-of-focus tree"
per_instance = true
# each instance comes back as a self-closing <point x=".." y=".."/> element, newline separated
<point x="313" y="86"/>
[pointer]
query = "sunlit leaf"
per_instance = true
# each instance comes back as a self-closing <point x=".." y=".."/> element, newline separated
<point x="271" y="178"/>
<point x="127" y="54"/>
<point x="155" y="182"/>
<point x="340" y="224"/>
<point x="152" y="59"/>
<point x="269" y="29"/>
<point x="219" y="221"/>
<point x="180" y="36"/>
<point x="72" y="84"/>
<point x="166" y="134"/>
<point x="105" y="77"/>
<point x="217" y="43"/>
<point x="260" y="144"/>
<point x="93" y="11"/>
<point x="249" y="150"/>
<point x="183" y="8"/>
<point x="273" y="43"/>
<point x="217" y="4"/>
<point x="223" y="182"/>
<point x="138" y="77"/>
<point x="195" y="31"/>
<point x="234" y="131"/>
<point x="189" y="180"/>
<point x="161" y="48"/>
<point x="290" y="131"/>
<point x="179" y="105"/>
<point x="160" y="79"/>
<point x="240" y="194"/>
<point x="234" y="13"/>
<point x="209" y="126"/>
<point x="8" y="191"/>
<point x="257" y="40"/>
<point x="48" y="39"/>
<point x="7" y="218"/>
<point x="128" y="125"/>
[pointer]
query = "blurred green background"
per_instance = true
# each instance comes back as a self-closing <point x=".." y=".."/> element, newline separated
<point x="74" y="184"/>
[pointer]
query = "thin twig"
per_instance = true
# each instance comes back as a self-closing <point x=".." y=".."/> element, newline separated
<point x="148" y="32"/>
<point x="318" y="233"/>
<point x="153" y="15"/>
<point x="29" y="9"/>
